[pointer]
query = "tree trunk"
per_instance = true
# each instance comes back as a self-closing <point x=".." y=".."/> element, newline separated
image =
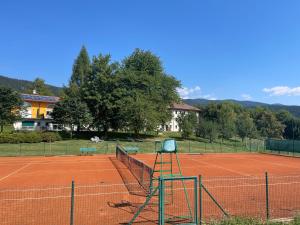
<point x="78" y="128"/>
<point x="105" y="131"/>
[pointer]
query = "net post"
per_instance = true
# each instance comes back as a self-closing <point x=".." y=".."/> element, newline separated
<point x="72" y="203"/>
<point x="267" y="196"/>
<point x="200" y="200"/>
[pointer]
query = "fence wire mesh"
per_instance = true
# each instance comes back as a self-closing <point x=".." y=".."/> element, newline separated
<point x="180" y="201"/>
<point x="252" y="197"/>
<point x="112" y="204"/>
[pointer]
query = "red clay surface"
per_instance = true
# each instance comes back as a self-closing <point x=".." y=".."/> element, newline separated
<point x="102" y="198"/>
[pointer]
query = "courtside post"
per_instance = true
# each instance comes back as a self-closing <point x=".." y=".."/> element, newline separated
<point x="72" y="203"/>
<point x="267" y="196"/>
<point x="44" y="148"/>
<point x="200" y="200"/>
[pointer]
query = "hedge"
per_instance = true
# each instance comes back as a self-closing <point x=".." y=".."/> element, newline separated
<point x="29" y="137"/>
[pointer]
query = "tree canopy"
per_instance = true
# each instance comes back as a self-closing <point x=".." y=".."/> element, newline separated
<point x="10" y="106"/>
<point x="40" y="87"/>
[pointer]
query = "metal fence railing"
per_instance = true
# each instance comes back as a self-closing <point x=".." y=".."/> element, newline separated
<point x="108" y="147"/>
<point x="263" y="197"/>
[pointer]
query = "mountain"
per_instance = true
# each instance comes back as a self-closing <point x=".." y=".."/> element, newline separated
<point x="21" y="85"/>
<point x="295" y="110"/>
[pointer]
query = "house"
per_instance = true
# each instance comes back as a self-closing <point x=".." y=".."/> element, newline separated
<point x="37" y="113"/>
<point x="176" y="110"/>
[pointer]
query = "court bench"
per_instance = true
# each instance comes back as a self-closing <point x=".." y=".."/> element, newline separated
<point x="131" y="149"/>
<point x="86" y="150"/>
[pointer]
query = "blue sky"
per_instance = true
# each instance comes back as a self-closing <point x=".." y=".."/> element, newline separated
<point x="219" y="49"/>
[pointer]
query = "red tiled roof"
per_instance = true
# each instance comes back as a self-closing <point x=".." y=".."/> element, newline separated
<point x="183" y="106"/>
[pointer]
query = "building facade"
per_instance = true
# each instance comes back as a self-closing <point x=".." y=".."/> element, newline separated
<point x="176" y="110"/>
<point x="37" y="113"/>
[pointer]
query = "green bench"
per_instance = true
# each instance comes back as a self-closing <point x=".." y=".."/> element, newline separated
<point x="87" y="150"/>
<point x="131" y="149"/>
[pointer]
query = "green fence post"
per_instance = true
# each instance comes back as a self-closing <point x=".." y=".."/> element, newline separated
<point x="20" y="152"/>
<point x="161" y="202"/>
<point x="44" y="148"/>
<point x="72" y="203"/>
<point x="267" y="196"/>
<point x="189" y="146"/>
<point x="200" y="200"/>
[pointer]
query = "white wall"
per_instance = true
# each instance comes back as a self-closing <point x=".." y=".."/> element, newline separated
<point x="173" y="125"/>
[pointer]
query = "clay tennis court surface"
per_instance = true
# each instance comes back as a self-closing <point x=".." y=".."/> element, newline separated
<point x="36" y="190"/>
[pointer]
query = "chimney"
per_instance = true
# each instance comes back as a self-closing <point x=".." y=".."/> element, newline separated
<point x="34" y="92"/>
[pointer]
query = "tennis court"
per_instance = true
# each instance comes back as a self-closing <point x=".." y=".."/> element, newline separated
<point x="37" y="190"/>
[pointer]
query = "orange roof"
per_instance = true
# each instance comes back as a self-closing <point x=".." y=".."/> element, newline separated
<point x="184" y="106"/>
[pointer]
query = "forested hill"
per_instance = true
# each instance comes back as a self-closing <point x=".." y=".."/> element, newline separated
<point x="295" y="110"/>
<point x="21" y="85"/>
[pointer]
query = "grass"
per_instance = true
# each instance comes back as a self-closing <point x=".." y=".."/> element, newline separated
<point x="146" y="145"/>
<point x="250" y="221"/>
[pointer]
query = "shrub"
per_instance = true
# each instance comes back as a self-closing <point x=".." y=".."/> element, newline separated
<point x="29" y="137"/>
<point x="50" y="136"/>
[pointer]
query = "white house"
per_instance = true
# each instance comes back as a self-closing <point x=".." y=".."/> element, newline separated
<point x="176" y="109"/>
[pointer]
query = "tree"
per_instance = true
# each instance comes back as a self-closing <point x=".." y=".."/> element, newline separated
<point x="81" y="68"/>
<point x="267" y="123"/>
<point x="143" y="83"/>
<point x="40" y="87"/>
<point x="208" y="129"/>
<point x="226" y="119"/>
<point x="245" y="125"/>
<point x="10" y="106"/>
<point x="290" y="123"/>
<point x="73" y="93"/>
<point x="187" y="123"/>
<point x="70" y="112"/>
<point x="101" y="94"/>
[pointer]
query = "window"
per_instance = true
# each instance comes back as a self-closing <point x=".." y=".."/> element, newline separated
<point x="27" y="123"/>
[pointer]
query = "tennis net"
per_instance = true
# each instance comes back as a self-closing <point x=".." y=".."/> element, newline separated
<point x="140" y="171"/>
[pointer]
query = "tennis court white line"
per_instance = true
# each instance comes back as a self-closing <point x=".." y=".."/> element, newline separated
<point x="277" y="164"/>
<point x="211" y="164"/>
<point x="16" y="171"/>
<point x="51" y="162"/>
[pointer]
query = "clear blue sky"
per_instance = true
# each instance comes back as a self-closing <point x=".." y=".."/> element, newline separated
<point x="240" y="49"/>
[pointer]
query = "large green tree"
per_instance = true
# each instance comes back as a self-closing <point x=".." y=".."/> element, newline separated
<point x="208" y="129"/>
<point x="81" y="68"/>
<point x="10" y="106"/>
<point x="40" y="87"/>
<point x="73" y="94"/>
<point x="187" y="123"/>
<point x="245" y="126"/>
<point x="144" y="83"/>
<point x="226" y="120"/>
<point x="267" y="124"/>
<point x="290" y="122"/>
<point x="101" y="94"/>
<point x="72" y="112"/>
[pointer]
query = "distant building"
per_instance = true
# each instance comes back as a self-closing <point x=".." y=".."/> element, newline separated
<point x="176" y="110"/>
<point x="37" y="113"/>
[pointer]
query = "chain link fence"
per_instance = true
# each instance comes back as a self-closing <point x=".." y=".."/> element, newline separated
<point x="263" y="197"/>
<point x="108" y="147"/>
